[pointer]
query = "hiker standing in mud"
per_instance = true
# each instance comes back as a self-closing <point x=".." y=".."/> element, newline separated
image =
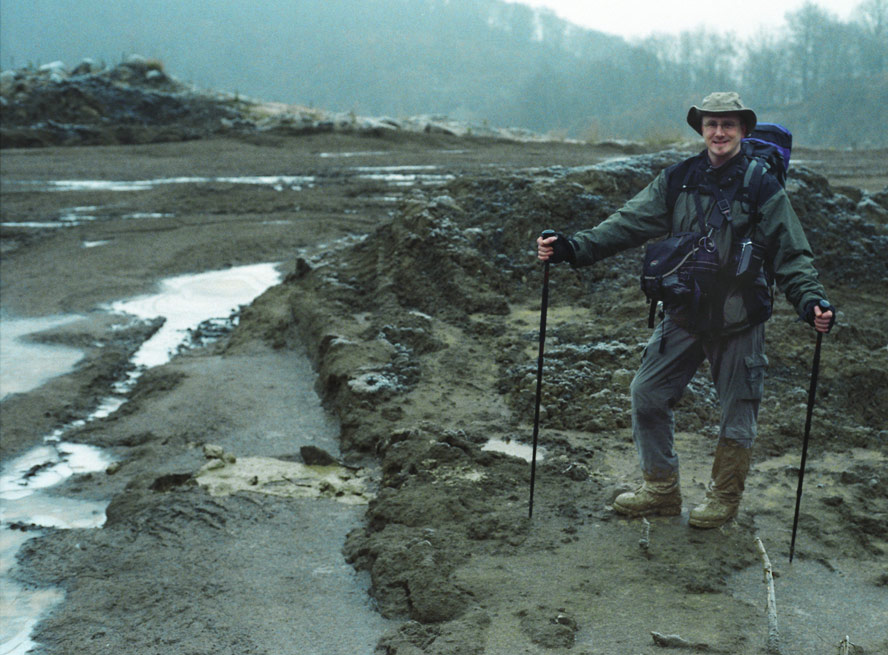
<point x="742" y="221"/>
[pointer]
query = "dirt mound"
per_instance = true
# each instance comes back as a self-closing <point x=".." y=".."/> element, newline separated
<point x="134" y="102"/>
<point x="425" y="336"/>
<point x="137" y="101"/>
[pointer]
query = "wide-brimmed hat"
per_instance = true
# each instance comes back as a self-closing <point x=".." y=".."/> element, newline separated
<point x="721" y="102"/>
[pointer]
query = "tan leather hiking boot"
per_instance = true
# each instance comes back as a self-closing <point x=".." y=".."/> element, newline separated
<point x="655" y="496"/>
<point x="729" y="472"/>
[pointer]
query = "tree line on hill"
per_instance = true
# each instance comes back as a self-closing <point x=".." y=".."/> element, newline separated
<point x="825" y="78"/>
<point x="483" y="60"/>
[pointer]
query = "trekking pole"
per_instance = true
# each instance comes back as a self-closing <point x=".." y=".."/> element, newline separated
<point x="544" y="306"/>
<point x="815" y="369"/>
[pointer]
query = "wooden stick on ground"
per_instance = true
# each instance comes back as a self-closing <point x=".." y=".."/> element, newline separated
<point x="645" y="541"/>
<point x="676" y="641"/>
<point x="773" y="633"/>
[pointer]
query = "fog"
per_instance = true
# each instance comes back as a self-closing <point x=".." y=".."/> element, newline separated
<point x="480" y="60"/>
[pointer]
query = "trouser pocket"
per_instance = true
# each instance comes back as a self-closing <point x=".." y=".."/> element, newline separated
<point x="756" y="365"/>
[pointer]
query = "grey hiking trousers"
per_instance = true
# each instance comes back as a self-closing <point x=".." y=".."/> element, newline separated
<point x="737" y="363"/>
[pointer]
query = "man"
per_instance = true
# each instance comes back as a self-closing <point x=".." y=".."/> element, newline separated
<point x="726" y="326"/>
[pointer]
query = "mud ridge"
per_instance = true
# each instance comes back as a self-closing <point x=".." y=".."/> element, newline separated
<point x="424" y="337"/>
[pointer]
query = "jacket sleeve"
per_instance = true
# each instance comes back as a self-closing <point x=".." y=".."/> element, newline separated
<point x="642" y="218"/>
<point x="790" y="253"/>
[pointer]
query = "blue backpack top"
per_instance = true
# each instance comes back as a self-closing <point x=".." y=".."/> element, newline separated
<point x="771" y="144"/>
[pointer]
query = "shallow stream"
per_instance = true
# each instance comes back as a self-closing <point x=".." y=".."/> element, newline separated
<point x="27" y="482"/>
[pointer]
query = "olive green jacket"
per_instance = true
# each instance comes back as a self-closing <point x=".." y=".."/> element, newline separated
<point x="789" y="261"/>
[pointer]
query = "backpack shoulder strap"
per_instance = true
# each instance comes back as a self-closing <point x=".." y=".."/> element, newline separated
<point x="679" y="177"/>
<point x="758" y="182"/>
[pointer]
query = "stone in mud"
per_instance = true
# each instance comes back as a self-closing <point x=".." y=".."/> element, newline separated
<point x="621" y="378"/>
<point x="418" y="338"/>
<point x="171" y="481"/>
<point x="278" y="477"/>
<point x="464" y="636"/>
<point x="344" y="359"/>
<point x="549" y="628"/>
<point x="411" y="578"/>
<point x="499" y="527"/>
<point x="314" y="456"/>
<point x="433" y="599"/>
<point x="374" y="383"/>
<point x="214" y="452"/>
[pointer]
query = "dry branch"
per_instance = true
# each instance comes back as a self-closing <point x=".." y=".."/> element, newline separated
<point x="645" y="541"/>
<point x="773" y="632"/>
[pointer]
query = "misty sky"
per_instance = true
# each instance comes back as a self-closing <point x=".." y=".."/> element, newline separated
<point x="640" y="18"/>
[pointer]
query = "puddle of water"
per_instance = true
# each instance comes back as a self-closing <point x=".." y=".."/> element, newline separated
<point x="23" y="505"/>
<point x="514" y="448"/>
<point x="295" y="182"/>
<point x="35" y="225"/>
<point x="21" y="609"/>
<point x="281" y="181"/>
<point x="77" y="215"/>
<point x="338" y="594"/>
<point x="46" y="466"/>
<point x="25" y="365"/>
<point x="365" y="153"/>
<point x="189" y="300"/>
<point x="396" y="176"/>
<point x="403" y="175"/>
<point x="185" y="301"/>
<point x="139" y="215"/>
<point x="392" y="169"/>
<point x="407" y="179"/>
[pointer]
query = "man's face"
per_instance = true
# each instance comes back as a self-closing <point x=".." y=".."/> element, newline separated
<point x="722" y="134"/>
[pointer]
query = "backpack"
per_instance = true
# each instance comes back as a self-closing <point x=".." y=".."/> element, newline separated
<point x="679" y="258"/>
<point x="769" y="144"/>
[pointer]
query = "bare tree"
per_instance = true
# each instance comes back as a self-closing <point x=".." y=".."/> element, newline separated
<point x="808" y="28"/>
<point x="872" y="17"/>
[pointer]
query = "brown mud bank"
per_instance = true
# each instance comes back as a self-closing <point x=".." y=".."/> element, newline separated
<point x="417" y="300"/>
<point x="425" y="338"/>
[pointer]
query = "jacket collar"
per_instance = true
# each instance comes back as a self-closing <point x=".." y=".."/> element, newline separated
<point x="727" y="173"/>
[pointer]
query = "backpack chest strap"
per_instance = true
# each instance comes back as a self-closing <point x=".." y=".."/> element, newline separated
<point x="720" y="211"/>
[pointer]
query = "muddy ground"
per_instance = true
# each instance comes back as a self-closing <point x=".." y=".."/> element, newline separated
<point x="417" y="301"/>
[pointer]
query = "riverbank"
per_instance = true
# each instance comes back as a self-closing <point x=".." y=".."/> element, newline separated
<point x="409" y="284"/>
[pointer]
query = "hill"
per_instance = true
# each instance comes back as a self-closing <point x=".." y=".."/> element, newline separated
<point x="483" y="61"/>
